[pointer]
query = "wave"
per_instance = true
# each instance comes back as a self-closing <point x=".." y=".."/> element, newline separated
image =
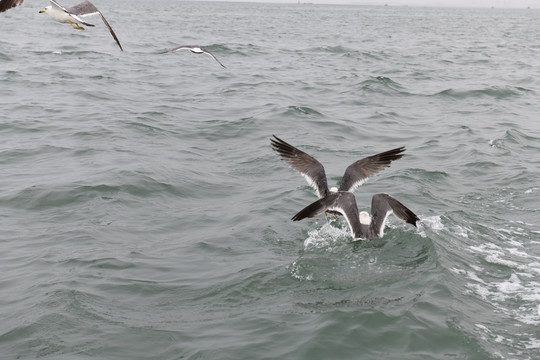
<point x="109" y="263"/>
<point x="337" y="49"/>
<point x="515" y="140"/>
<point x="302" y="111"/>
<point x="492" y="271"/>
<point x="496" y="92"/>
<point x="244" y="50"/>
<point x="5" y="57"/>
<point x="382" y="85"/>
<point x="42" y="196"/>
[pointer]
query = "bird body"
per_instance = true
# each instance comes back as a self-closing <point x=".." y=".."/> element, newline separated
<point x="61" y="14"/>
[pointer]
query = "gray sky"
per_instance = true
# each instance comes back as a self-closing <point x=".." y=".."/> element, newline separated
<point x="457" y="3"/>
<point x="535" y="4"/>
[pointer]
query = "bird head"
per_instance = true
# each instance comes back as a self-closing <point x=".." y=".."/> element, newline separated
<point x="365" y="219"/>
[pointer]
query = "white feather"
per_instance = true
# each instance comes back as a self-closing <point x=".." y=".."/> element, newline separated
<point x="345" y="215"/>
<point x="383" y="222"/>
<point x="313" y="184"/>
<point x="357" y="184"/>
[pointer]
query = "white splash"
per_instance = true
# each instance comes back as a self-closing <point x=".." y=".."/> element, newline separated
<point x="295" y="272"/>
<point x="433" y="222"/>
<point x="430" y="222"/>
<point x="325" y="237"/>
<point x="462" y="231"/>
<point x="533" y="344"/>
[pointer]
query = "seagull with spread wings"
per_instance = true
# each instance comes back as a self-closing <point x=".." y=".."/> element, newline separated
<point x="72" y="15"/>
<point x="313" y="171"/>
<point x="194" y="49"/>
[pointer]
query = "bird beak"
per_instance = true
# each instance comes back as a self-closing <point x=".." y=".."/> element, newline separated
<point x="41" y="11"/>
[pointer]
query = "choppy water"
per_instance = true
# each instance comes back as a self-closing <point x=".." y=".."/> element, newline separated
<point x="144" y="215"/>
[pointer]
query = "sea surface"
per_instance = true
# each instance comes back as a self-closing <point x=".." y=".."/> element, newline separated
<point x="144" y="215"/>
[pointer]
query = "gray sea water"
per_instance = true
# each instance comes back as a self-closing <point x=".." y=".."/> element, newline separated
<point x="143" y="214"/>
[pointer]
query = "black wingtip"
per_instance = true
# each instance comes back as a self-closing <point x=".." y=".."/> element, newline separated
<point x="276" y="140"/>
<point x="315" y="208"/>
<point x="302" y="215"/>
<point x="393" y="154"/>
<point x="409" y="216"/>
<point x="400" y="210"/>
<point x="299" y="216"/>
<point x="413" y="219"/>
<point x="110" y="30"/>
<point x="306" y="212"/>
<point x="284" y="149"/>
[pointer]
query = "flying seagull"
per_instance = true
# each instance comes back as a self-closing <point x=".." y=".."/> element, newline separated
<point x="70" y="15"/>
<point x="194" y="49"/>
<point x="356" y="174"/>
<point x="362" y="226"/>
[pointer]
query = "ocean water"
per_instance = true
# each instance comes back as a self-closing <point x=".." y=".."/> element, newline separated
<point x="143" y="214"/>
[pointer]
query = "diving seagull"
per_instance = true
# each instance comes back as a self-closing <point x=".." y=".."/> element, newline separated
<point x="356" y="174"/>
<point x="362" y="225"/>
<point x="70" y="15"/>
<point x="194" y="49"/>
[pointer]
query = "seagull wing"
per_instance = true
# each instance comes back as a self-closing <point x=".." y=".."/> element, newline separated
<point x="181" y="47"/>
<point x="383" y="205"/>
<point x="308" y="166"/>
<point x="358" y="172"/>
<point x="58" y="6"/>
<point x="86" y="8"/>
<point x="316" y="208"/>
<point x="178" y="48"/>
<point x="8" y="4"/>
<point x="343" y="202"/>
<point x="212" y="55"/>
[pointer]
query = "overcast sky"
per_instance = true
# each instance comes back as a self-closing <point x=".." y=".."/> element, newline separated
<point x="535" y="4"/>
<point x="469" y="3"/>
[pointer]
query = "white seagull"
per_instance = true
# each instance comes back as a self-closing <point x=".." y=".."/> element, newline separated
<point x="356" y="174"/>
<point x="362" y="225"/>
<point x="70" y="15"/>
<point x="194" y="49"/>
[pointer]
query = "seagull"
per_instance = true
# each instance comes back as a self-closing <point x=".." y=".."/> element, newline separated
<point x="194" y="49"/>
<point x="362" y="225"/>
<point x="356" y="174"/>
<point x="70" y="15"/>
